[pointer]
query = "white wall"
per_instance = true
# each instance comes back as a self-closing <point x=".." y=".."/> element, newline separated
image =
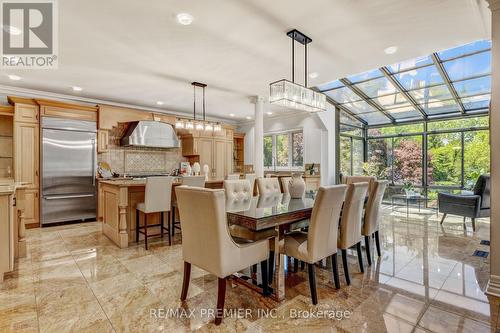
<point x="319" y="140"/>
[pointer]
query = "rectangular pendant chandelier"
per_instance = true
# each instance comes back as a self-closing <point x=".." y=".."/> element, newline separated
<point x="293" y="95"/>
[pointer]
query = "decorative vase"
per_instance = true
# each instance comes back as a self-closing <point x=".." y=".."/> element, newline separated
<point x="196" y="168"/>
<point x="206" y="170"/>
<point x="189" y="170"/>
<point x="297" y="186"/>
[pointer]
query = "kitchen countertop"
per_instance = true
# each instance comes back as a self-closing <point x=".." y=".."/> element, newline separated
<point x="142" y="182"/>
<point x="10" y="186"/>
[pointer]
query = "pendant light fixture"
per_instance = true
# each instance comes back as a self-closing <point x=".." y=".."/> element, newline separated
<point x="202" y="124"/>
<point x="290" y="94"/>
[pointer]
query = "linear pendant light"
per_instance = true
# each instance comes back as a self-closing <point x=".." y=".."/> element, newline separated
<point x="290" y="94"/>
<point x="199" y="125"/>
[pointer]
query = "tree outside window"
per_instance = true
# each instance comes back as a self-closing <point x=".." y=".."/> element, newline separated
<point x="284" y="150"/>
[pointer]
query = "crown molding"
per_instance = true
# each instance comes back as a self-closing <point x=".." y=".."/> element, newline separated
<point x="494" y="5"/>
<point x="40" y="94"/>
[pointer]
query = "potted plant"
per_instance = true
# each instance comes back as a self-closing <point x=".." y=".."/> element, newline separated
<point x="409" y="188"/>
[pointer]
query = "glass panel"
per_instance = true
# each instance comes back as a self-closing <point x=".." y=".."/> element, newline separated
<point x="431" y="94"/>
<point x="365" y="76"/>
<point x="408" y="160"/>
<point x="282" y="150"/>
<point x="405" y="113"/>
<point x="359" y="107"/>
<point x="440" y="107"/>
<point x="420" y="77"/>
<point x="476" y="156"/>
<point x="474" y="65"/>
<point x="394" y="130"/>
<point x="349" y="130"/>
<point x="379" y="158"/>
<point x="357" y="157"/>
<point x="465" y="49"/>
<point x="330" y="85"/>
<point x="409" y="64"/>
<point x="392" y="101"/>
<point x="375" y="118"/>
<point x="343" y="95"/>
<point x="297" y="149"/>
<point x="346" y="119"/>
<point x="476" y="102"/>
<point x="464" y="123"/>
<point x="345" y="156"/>
<point x="377" y="87"/>
<point x="477" y="86"/>
<point x="444" y="159"/>
<point x="268" y="151"/>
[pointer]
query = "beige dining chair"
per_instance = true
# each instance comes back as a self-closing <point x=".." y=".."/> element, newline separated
<point x="268" y="185"/>
<point x="360" y="179"/>
<point x="320" y="241"/>
<point x="350" y="225"/>
<point x="251" y="178"/>
<point x="233" y="176"/>
<point x="372" y="215"/>
<point x="196" y="181"/>
<point x="207" y="244"/>
<point x="157" y="199"/>
<point x="285" y="183"/>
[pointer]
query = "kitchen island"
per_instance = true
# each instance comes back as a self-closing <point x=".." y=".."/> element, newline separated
<point x="118" y="199"/>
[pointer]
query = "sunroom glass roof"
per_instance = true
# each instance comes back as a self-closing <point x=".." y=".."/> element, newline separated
<point x="456" y="80"/>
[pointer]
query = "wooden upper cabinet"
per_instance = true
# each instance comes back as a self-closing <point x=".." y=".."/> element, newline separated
<point x="205" y="149"/>
<point x="102" y="141"/>
<point x="27" y="153"/>
<point x="219" y="161"/>
<point x="26" y="113"/>
<point x="67" y="110"/>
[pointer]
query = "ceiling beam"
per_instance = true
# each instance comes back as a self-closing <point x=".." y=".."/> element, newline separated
<point x="403" y="91"/>
<point x="367" y="99"/>
<point x="446" y="79"/>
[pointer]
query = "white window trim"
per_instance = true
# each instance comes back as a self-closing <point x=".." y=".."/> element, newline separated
<point x="289" y="167"/>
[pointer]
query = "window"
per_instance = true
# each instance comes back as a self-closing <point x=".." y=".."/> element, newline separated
<point x="284" y="150"/>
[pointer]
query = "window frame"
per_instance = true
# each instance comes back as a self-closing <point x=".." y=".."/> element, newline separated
<point x="289" y="166"/>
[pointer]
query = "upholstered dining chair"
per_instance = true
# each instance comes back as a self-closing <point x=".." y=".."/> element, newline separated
<point x="233" y="176"/>
<point x="320" y="241"/>
<point x="360" y="179"/>
<point x="350" y="225"/>
<point x="207" y="244"/>
<point x="285" y="183"/>
<point x="372" y="215"/>
<point x="251" y="178"/>
<point x="196" y="181"/>
<point x="268" y="185"/>
<point x="157" y="199"/>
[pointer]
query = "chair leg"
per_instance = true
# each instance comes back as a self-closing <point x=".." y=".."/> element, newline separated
<point x="346" y="267"/>
<point x="173" y="222"/>
<point x="265" y="274"/>
<point x="335" y="269"/>
<point x="254" y="274"/>
<point x="161" y="224"/>
<point x="295" y="265"/>
<point x="137" y="224"/>
<point x="377" y="242"/>
<point x="302" y="265"/>
<point x="185" y="281"/>
<point x="360" y="257"/>
<point x="146" y="230"/>
<point x="442" y="219"/>
<point x="312" y="283"/>
<point x="473" y="224"/>
<point x="168" y="223"/>
<point x="367" y="248"/>
<point x="221" y="297"/>
<point x="271" y="267"/>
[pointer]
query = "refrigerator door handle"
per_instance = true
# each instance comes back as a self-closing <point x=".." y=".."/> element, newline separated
<point x="59" y="197"/>
<point x="93" y="162"/>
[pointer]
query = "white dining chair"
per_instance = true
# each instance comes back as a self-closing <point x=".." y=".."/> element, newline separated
<point x="372" y="215"/>
<point x="350" y="225"/>
<point x="207" y="243"/>
<point x="233" y="176"/>
<point x="285" y="184"/>
<point x="196" y="181"/>
<point x="320" y="241"/>
<point x="268" y="185"/>
<point x="157" y="199"/>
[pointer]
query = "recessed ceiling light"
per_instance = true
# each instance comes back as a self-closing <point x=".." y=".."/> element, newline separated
<point x="76" y="88"/>
<point x="184" y="18"/>
<point x="14" y="77"/>
<point x="159" y="103"/>
<point x="248" y="117"/>
<point x="231" y="115"/>
<point x="391" y="50"/>
<point x="12" y="30"/>
<point x="313" y="75"/>
<point x="269" y="113"/>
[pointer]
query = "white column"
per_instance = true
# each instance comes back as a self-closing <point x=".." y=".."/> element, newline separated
<point x="258" y="155"/>
<point x="494" y="283"/>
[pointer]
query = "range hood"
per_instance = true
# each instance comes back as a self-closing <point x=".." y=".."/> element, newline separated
<point x="146" y="133"/>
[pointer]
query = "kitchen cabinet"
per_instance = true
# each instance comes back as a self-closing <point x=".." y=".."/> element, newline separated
<point x="27" y="153"/>
<point x="219" y="160"/>
<point x="27" y="113"/>
<point x="229" y="158"/>
<point x="102" y="141"/>
<point x="204" y="148"/>
<point x="66" y="110"/>
<point x="6" y="234"/>
<point x="31" y="207"/>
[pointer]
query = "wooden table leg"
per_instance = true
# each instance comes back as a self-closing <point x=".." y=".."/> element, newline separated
<point x="279" y="266"/>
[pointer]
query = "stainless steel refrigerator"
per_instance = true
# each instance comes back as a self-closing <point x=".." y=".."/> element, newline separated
<point x="68" y="154"/>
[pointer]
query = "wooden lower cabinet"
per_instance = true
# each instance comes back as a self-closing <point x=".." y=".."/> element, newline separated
<point x="32" y="208"/>
<point x="6" y="235"/>
<point x="27" y="153"/>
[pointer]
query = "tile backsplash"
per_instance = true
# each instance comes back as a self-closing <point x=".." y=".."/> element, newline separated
<point x="138" y="160"/>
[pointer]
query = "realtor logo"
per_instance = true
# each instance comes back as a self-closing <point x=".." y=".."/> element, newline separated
<point x="29" y="34"/>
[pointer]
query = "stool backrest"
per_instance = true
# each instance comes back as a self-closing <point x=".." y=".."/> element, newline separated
<point x="158" y="194"/>
<point x="195" y="181"/>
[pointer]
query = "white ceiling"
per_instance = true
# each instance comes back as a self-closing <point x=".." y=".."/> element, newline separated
<point x="135" y="52"/>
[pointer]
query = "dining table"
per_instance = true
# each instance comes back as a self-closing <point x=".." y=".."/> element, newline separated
<point x="271" y="211"/>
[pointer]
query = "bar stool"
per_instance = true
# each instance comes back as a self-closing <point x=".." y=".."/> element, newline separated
<point x="157" y="199"/>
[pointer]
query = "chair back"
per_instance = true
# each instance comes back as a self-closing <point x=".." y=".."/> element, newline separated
<point x="196" y="181"/>
<point x="206" y="241"/>
<point x="285" y="183"/>
<point x="237" y="190"/>
<point x="158" y="194"/>
<point x="372" y="211"/>
<point x="233" y="176"/>
<point x="483" y="189"/>
<point x="360" y="179"/>
<point x="268" y="185"/>
<point x="323" y="228"/>
<point x="251" y="178"/>
<point x="352" y="215"/>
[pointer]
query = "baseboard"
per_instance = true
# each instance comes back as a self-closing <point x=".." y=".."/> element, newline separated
<point x="493" y="287"/>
